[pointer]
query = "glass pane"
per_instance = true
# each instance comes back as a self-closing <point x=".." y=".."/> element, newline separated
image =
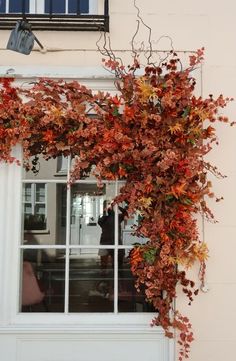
<point x="44" y="169"/>
<point x="34" y="221"/>
<point x="27" y="193"/>
<point x="47" y="229"/>
<point x="129" y="299"/>
<point x="57" y="6"/>
<point x="77" y="7"/>
<point x="42" y="280"/>
<point x="28" y="208"/>
<point x="40" y="192"/>
<point x="2" y="6"/>
<point x="128" y="232"/>
<point x="129" y="225"/>
<point x="86" y="206"/>
<point x="18" y="6"/>
<point x="40" y="209"/>
<point x="107" y="224"/>
<point x="91" y="286"/>
<point x="62" y="165"/>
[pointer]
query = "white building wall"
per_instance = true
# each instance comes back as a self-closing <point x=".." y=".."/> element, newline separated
<point x="191" y="25"/>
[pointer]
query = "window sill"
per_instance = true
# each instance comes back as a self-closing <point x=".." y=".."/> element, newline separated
<point x="139" y="325"/>
<point x="58" y="22"/>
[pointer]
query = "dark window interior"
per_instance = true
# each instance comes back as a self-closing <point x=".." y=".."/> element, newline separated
<point x="78" y="7"/>
<point x="2" y="6"/>
<point x="18" y="6"/>
<point x="57" y="6"/>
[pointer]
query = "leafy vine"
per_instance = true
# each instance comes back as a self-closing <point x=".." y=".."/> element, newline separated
<point x="153" y="134"/>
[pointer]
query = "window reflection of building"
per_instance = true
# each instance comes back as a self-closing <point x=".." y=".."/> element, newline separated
<point x="86" y="207"/>
<point x="65" y="255"/>
<point x="34" y="200"/>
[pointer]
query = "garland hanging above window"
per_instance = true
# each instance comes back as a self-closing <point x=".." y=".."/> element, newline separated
<point x="154" y="134"/>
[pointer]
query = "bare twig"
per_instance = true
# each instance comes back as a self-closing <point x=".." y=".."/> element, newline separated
<point x="106" y="51"/>
<point x="150" y="50"/>
<point x="134" y="51"/>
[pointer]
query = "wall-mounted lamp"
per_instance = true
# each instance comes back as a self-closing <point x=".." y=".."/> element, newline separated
<point x="22" y="38"/>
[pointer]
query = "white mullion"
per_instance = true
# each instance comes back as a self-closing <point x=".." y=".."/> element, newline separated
<point x="39" y="181"/>
<point x="63" y="181"/>
<point x="82" y="246"/>
<point x="67" y="258"/>
<point x="116" y="255"/>
<point x="42" y="246"/>
<point x="33" y="194"/>
<point x="39" y="7"/>
<point x="66" y="7"/>
<point x="45" y="201"/>
<point x="98" y="246"/>
<point x="32" y="6"/>
<point x="7" y="6"/>
<point x="93" y="7"/>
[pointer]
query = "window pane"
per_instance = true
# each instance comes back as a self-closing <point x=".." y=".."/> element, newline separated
<point x="86" y="207"/>
<point x="57" y="6"/>
<point x="2" y="6"/>
<point x="42" y="281"/>
<point x="91" y="287"/>
<point x="18" y="6"/>
<point x="129" y="299"/>
<point x="27" y="193"/>
<point x="128" y="236"/>
<point x="40" y="209"/>
<point x="62" y="164"/>
<point x="40" y="192"/>
<point x="34" y="221"/>
<point x="28" y="208"/>
<point x="47" y="228"/>
<point x="76" y="7"/>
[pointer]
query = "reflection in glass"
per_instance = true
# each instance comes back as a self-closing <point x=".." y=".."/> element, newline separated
<point x="128" y="231"/>
<point x="44" y="213"/>
<point x="34" y="205"/>
<point x="107" y="224"/>
<point x="40" y="193"/>
<point x="129" y="300"/>
<point x="86" y="207"/>
<point x="46" y="169"/>
<point x="91" y="288"/>
<point x="42" y="280"/>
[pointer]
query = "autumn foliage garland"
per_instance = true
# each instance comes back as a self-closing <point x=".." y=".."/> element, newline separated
<point x="153" y="134"/>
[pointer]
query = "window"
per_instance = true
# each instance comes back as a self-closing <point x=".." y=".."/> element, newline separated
<point x="56" y="14"/>
<point x="82" y="264"/>
<point x="45" y="6"/>
<point x="67" y="6"/>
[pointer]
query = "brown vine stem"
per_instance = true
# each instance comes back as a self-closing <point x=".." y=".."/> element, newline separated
<point x="150" y="51"/>
<point x="107" y="51"/>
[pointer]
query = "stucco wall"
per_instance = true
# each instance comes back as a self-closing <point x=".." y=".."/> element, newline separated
<point x="191" y="25"/>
